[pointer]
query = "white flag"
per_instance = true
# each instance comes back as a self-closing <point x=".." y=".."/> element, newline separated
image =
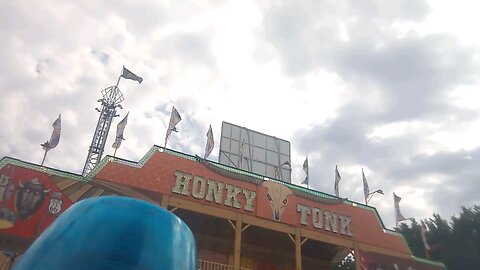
<point x="366" y="190"/>
<point x="120" y="128"/>
<point x="305" y="168"/>
<point x="210" y="142"/>
<point x="423" y="230"/>
<point x="55" y="137"/>
<point x="127" y="74"/>
<point x="398" y="215"/>
<point x="337" y="180"/>
<point x="242" y="153"/>
<point x="174" y="119"/>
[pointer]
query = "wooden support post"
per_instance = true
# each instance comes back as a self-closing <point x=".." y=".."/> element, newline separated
<point x="238" y="243"/>
<point x="165" y="200"/>
<point x="358" y="260"/>
<point x="298" y="250"/>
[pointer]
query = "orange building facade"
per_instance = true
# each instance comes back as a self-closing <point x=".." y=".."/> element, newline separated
<point x="240" y="220"/>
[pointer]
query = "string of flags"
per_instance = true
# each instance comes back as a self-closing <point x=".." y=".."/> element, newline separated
<point x="175" y="118"/>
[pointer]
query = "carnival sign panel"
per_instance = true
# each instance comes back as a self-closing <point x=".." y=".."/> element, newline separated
<point x="29" y="202"/>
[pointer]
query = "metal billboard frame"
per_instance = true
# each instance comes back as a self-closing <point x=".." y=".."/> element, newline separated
<point x="255" y="152"/>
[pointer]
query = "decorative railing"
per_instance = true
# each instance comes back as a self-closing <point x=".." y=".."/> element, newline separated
<point x="206" y="265"/>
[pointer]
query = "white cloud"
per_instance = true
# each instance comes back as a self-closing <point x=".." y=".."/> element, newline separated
<point x="388" y="86"/>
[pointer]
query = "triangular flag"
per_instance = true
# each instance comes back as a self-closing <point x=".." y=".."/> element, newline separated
<point x="366" y="190"/>
<point x="398" y="215"/>
<point x="174" y="119"/>
<point x="127" y="74"/>
<point x="210" y="142"/>
<point x="305" y="169"/>
<point x="337" y="180"/>
<point x="120" y="128"/>
<point x="242" y="153"/>
<point x="423" y="230"/>
<point x="55" y="137"/>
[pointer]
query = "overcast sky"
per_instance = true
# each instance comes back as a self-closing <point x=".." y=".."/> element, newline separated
<point x="390" y="86"/>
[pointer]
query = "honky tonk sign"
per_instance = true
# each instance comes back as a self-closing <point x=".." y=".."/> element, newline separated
<point x="277" y="196"/>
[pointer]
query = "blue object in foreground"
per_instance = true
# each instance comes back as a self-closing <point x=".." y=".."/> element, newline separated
<point x="113" y="233"/>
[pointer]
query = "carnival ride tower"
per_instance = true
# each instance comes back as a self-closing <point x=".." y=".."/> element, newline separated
<point x="112" y="97"/>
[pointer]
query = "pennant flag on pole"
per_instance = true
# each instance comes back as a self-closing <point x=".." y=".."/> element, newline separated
<point x="242" y="152"/>
<point x="398" y="215"/>
<point x="305" y="168"/>
<point x="174" y="119"/>
<point x="424" y="238"/>
<point x="210" y="143"/>
<point x="55" y="137"/>
<point x="337" y="180"/>
<point x="366" y="190"/>
<point x="127" y="74"/>
<point x="120" y="128"/>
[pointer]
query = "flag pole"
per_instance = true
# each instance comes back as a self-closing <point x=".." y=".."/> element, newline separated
<point x="119" y="77"/>
<point x="116" y="86"/>
<point x="44" y="156"/>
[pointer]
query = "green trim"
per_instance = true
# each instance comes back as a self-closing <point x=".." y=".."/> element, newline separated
<point x="299" y="189"/>
<point x="27" y="165"/>
<point x="435" y="263"/>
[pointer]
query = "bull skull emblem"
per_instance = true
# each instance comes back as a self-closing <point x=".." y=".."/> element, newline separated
<point x="277" y="195"/>
<point x="30" y="197"/>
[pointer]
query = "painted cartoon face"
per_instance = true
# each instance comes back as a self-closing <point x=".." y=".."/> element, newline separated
<point x="277" y="196"/>
<point x="30" y="197"/>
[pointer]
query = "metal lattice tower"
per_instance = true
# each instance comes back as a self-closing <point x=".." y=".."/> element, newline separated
<point x="112" y="97"/>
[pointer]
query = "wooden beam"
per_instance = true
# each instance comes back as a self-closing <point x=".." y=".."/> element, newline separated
<point x="334" y="239"/>
<point x="304" y="240"/>
<point x="238" y="243"/>
<point x="66" y="183"/>
<point x="123" y="190"/>
<point x="165" y="201"/>
<point x="356" y="254"/>
<point x="98" y="192"/>
<point x="370" y="248"/>
<point x="291" y="237"/>
<point x="298" y="250"/>
<point x="231" y="224"/>
<point x="268" y="224"/>
<point x="77" y="194"/>
<point x="246" y="227"/>
<point x="202" y="209"/>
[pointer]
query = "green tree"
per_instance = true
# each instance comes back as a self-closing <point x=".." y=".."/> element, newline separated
<point x="348" y="263"/>
<point x="455" y="243"/>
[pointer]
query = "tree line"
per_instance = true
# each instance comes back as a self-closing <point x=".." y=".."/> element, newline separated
<point x="456" y="242"/>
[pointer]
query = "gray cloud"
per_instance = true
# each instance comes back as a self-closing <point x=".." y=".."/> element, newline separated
<point x="57" y="59"/>
<point x="414" y="77"/>
<point x="408" y="77"/>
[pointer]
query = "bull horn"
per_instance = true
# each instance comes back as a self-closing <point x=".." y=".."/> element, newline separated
<point x="20" y="184"/>
<point x="47" y="190"/>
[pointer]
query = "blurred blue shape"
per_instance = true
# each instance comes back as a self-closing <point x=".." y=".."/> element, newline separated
<point x="113" y="233"/>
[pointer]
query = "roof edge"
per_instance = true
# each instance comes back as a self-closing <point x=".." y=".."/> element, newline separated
<point x="307" y="193"/>
<point x="40" y="168"/>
